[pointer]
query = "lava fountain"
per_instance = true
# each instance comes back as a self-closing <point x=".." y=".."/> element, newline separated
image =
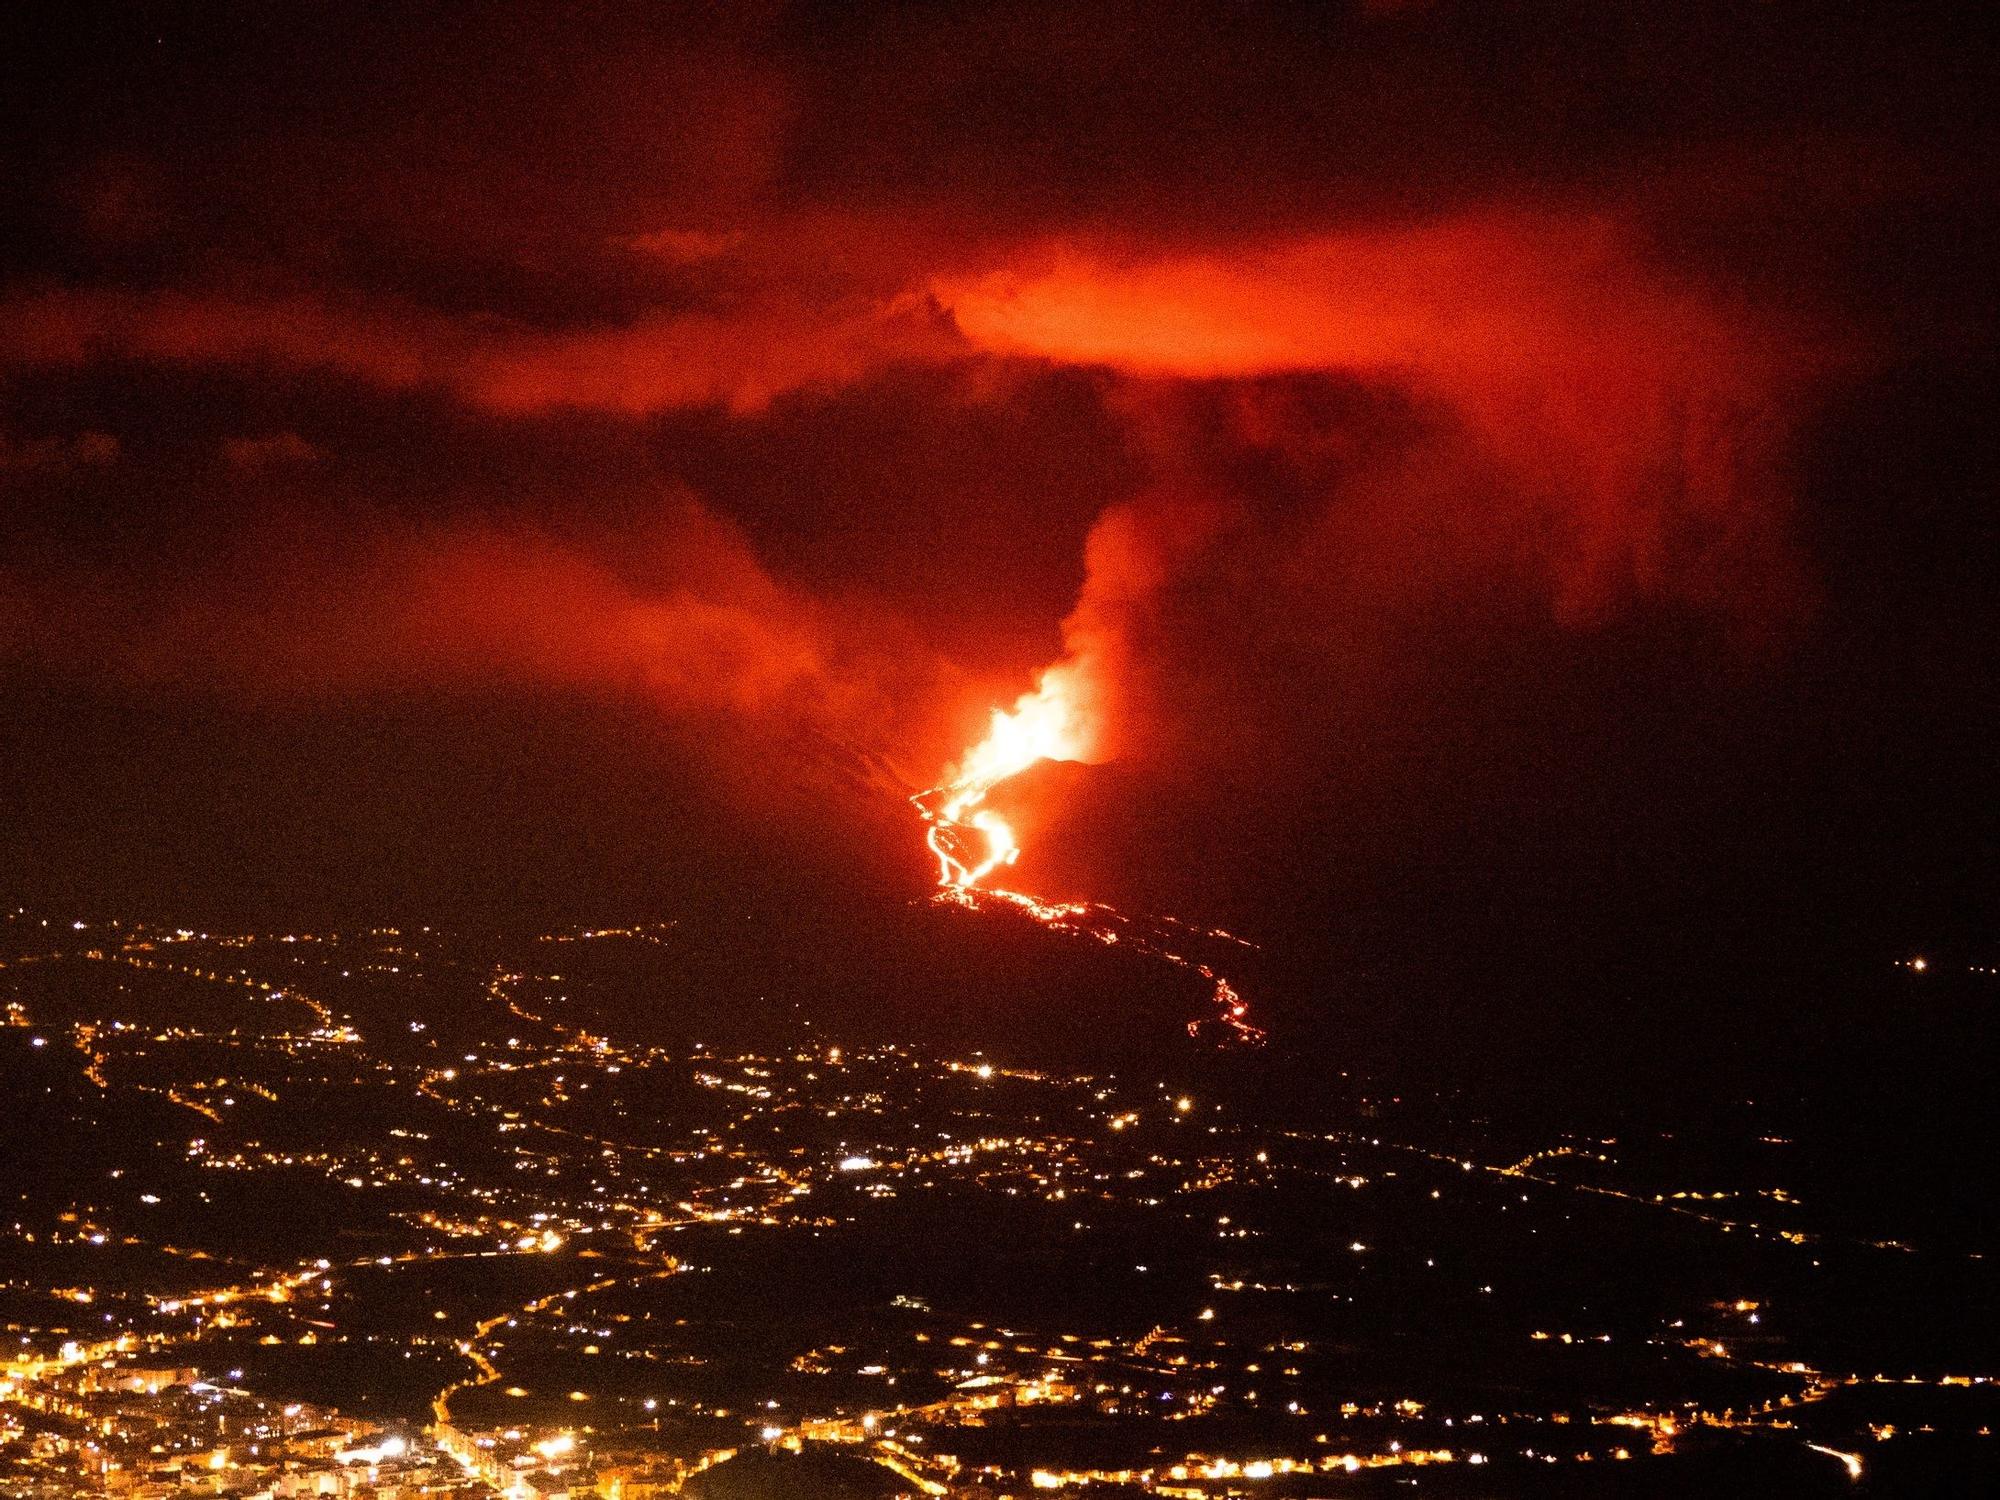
<point x="971" y="840"/>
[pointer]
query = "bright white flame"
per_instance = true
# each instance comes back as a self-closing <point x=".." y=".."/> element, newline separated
<point x="1043" y="725"/>
<point x="1047" y="724"/>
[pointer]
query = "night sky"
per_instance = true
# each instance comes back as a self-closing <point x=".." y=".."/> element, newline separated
<point x="1519" y="480"/>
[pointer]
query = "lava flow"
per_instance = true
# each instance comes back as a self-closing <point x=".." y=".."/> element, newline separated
<point x="971" y="840"/>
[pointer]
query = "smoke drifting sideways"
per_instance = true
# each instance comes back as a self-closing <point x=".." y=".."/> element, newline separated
<point x="333" y="610"/>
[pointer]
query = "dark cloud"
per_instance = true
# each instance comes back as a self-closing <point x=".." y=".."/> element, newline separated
<point x="57" y="453"/>
<point x="268" y="448"/>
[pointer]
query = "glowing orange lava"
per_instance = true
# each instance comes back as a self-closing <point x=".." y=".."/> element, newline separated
<point x="971" y="841"/>
<point x="1043" y="725"/>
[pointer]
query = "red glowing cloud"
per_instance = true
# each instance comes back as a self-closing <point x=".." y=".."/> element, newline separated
<point x="680" y="613"/>
<point x="1643" y="416"/>
<point x="740" y="358"/>
<point x="1506" y="294"/>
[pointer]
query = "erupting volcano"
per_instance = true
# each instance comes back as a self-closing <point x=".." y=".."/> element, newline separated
<point x="972" y="840"/>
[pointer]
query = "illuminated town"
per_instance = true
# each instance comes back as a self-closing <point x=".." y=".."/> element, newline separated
<point x="403" y="1212"/>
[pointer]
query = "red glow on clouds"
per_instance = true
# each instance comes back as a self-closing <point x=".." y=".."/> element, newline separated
<point x="740" y="359"/>
<point x="1642" y="415"/>
<point x="681" y="614"/>
<point x="1506" y="294"/>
